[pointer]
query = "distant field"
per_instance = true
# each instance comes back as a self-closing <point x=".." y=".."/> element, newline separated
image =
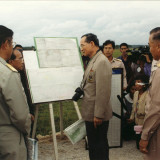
<point x="116" y="53"/>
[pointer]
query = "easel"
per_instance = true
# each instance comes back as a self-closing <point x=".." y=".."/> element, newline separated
<point x="46" y="70"/>
<point x="53" y="123"/>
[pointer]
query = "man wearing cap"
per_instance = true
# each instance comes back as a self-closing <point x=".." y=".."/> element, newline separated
<point x="15" y="119"/>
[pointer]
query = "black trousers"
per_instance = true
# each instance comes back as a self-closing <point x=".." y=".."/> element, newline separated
<point x="138" y="138"/>
<point x="97" y="141"/>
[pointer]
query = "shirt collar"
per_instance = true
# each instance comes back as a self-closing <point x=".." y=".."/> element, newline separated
<point x="3" y="61"/>
<point x="113" y="60"/>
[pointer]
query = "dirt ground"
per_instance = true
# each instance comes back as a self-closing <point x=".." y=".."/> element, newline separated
<point x="67" y="151"/>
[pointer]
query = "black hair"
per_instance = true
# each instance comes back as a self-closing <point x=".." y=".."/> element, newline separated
<point x="155" y="30"/>
<point x="156" y="36"/>
<point x="109" y="42"/>
<point x="123" y="44"/>
<point x="132" y="83"/>
<point x="18" y="45"/>
<point x="142" y="58"/>
<point x="101" y="47"/>
<point x="145" y="79"/>
<point x="156" y="33"/>
<point x="91" y="37"/>
<point x="21" y="50"/>
<point x="129" y="58"/>
<point x="5" y="33"/>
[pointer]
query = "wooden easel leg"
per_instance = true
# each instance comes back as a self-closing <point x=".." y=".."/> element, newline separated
<point x="77" y="110"/>
<point x="80" y="117"/>
<point x="53" y="130"/>
<point x="35" y="121"/>
<point x="61" y="120"/>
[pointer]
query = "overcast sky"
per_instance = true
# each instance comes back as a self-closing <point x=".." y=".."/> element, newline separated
<point x="121" y="21"/>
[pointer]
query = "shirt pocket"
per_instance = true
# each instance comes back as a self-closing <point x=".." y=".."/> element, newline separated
<point x="91" y="76"/>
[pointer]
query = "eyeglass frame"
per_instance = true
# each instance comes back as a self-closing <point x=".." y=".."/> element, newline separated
<point x="13" y="43"/>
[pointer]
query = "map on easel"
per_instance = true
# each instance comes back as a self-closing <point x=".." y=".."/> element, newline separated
<point x="55" y="70"/>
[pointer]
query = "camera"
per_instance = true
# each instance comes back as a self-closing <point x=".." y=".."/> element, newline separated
<point x="136" y="53"/>
<point x="140" y="50"/>
<point x="78" y="94"/>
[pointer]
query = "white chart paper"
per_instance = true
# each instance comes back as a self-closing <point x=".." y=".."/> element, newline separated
<point x="60" y="79"/>
<point x="57" y="52"/>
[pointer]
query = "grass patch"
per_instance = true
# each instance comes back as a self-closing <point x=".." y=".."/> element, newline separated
<point x="116" y="53"/>
<point x="69" y="116"/>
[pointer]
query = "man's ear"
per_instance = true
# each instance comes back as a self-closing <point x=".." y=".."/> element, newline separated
<point x="4" y="45"/>
<point x="158" y="45"/>
<point x="92" y="43"/>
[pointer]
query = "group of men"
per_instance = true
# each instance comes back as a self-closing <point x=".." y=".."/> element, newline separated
<point x="15" y="118"/>
<point x="123" y="61"/>
<point x="96" y="106"/>
<point x="16" y="109"/>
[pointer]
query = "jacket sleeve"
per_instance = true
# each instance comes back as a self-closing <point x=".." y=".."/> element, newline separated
<point x="103" y="88"/>
<point x="152" y="119"/>
<point x="16" y="101"/>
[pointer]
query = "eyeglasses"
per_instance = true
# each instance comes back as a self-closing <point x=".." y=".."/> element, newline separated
<point x="13" y="44"/>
